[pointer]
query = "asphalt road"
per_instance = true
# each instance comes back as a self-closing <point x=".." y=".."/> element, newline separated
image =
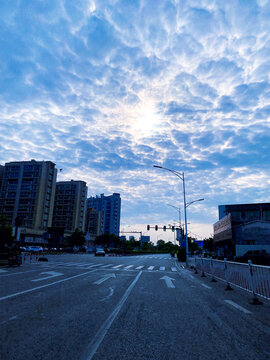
<point x="143" y="307"/>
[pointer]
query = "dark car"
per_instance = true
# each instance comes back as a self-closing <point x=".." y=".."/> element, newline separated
<point x="99" y="252"/>
<point x="258" y="257"/>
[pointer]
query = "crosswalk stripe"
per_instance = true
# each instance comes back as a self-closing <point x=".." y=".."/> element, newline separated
<point x="129" y="266"/>
<point x="150" y="268"/>
<point x="139" y="267"/>
<point x="174" y="269"/>
<point x="117" y="266"/>
<point x="162" y="268"/>
<point x="105" y="266"/>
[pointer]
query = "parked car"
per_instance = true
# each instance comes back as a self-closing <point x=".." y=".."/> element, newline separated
<point x="259" y="257"/>
<point x="99" y="252"/>
<point x="34" y="249"/>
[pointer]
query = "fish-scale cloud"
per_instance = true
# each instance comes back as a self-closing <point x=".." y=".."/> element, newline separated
<point x="107" y="89"/>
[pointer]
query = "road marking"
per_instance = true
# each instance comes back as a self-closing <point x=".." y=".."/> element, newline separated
<point x="1" y="270"/>
<point x="106" y="277"/>
<point x="162" y="268"/>
<point x="139" y="267"/>
<point x="174" y="269"/>
<point x="91" y="266"/>
<point x="206" y="286"/>
<point x="43" y="286"/>
<point x="52" y="274"/>
<point x="129" y="266"/>
<point x="21" y="272"/>
<point x="150" y="268"/>
<point x="117" y="266"/>
<point x="100" y="335"/>
<point x="237" y="306"/>
<point x="168" y="281"/>
<point x="105" y="266"/>
<point x="108" y="296"/>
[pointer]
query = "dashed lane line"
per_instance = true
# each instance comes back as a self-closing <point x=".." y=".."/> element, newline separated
<point x="238" y="307"/>
<point x="206" y="286"/>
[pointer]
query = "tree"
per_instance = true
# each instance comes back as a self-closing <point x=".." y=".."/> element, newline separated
<point x="107" y="240"/>
<point x="6" y="237"/>
<point x="77" y="238"/>
<point x="208" y="244"/>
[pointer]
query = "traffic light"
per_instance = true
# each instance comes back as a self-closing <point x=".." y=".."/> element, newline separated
<point x="164" y="228"/>
<point x="156" y="227"/>
<point x="148" y="227"/>
<point x="172" y="228"/>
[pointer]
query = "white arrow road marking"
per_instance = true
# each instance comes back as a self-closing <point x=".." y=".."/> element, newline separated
<point x="108" y="296"/>
<point x="51" y="274"/>
<point x="106" y="277"/>
<point x="168" y="281"/>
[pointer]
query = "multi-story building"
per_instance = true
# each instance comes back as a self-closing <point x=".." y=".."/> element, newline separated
<point x="27" y="196"/>
<point x="70" y="205"/>
<point x="242" y="227"/>
<point x="94" y="222"/>
<point x="111" y="207"/>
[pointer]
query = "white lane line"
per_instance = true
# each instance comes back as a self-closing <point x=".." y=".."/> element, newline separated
<point x="150" y="268"/>
<point x="100" y="335"/>
<point x="206" y="286"/>
<point x="174" y="269"/>
<point x="162" y="268"/>
<point x="1" y="270"/>
<point x="43" y="286"/>
<point x="238" y="307"/>
<point x="128" y="267"/>
<point x="116" y="267"/>
<point x="139" y="267"/>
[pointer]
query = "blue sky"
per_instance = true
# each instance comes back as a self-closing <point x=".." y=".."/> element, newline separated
<point x="106" y="89"/>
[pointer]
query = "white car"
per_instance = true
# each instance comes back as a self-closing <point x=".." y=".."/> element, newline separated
<point x="34" y="248"/>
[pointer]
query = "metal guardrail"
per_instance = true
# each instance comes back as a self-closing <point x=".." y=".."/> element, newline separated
<point x="250" y="277"/>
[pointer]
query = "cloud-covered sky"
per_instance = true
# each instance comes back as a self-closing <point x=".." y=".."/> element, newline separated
<point x="108" y="88"/>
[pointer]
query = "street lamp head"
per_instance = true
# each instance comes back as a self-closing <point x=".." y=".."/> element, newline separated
<point x="159" y="167"/>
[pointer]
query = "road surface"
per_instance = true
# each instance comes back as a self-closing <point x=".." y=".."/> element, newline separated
<point x="78" y="306"/>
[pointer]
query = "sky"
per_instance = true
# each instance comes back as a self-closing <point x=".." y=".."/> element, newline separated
<point x="108" y="88"/>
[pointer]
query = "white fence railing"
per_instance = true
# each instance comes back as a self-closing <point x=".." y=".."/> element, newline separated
<point x="254" y="278"/>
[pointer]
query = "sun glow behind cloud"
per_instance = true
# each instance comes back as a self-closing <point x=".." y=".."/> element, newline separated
<point x="108" y="88"/>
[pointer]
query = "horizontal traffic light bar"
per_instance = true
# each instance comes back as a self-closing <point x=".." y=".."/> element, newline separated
<point x="164" y="228"/>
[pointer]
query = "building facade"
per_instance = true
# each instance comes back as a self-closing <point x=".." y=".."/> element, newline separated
<point x="111" y="208"/>
<point x="242" y="227"/>
<point x="70" y="205"/>
<point x="27" y="196"/>
<point x="94" y="223"/>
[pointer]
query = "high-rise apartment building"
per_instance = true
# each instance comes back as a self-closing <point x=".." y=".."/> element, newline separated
<point x="27" y="194"/>
<point x="111" y="207"/>
<point x="70" y="205"/>
<point x="94" y="223"/>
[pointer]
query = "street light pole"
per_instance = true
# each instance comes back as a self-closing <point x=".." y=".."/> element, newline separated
<point x="181" y="176"/>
